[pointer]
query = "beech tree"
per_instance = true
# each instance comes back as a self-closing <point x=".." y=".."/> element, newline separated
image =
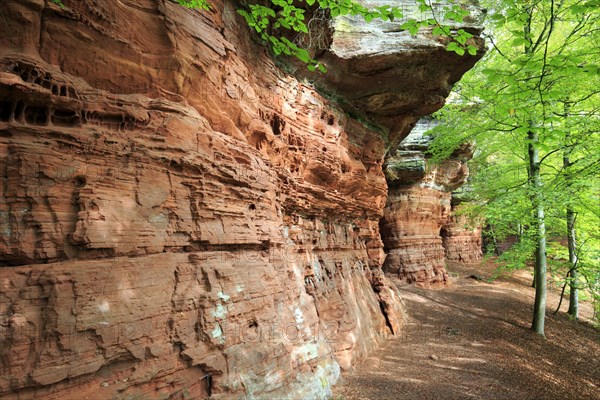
<point x="532" y="106"/>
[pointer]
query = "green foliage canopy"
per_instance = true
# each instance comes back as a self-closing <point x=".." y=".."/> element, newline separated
<point x="541" y="76"/>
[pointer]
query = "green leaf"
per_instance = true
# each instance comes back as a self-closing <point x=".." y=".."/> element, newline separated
<point x="303" y="55"/>
<point x="194" y="4"/>
<point x="464" y="33"/>
<point x="522" y="130"/>
<point x="452" y="46"/>
<point x="520" y="41"/>
<point x="489" y="71"/>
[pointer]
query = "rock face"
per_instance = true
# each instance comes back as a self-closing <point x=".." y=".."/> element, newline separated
<point x="411" y="233"/>
<point x="416" y="72"/>
<point x="179" y="218"/>
<point x="462" y="243"/>
<point x="418" y="210"/>
<point x="462" y="237"/>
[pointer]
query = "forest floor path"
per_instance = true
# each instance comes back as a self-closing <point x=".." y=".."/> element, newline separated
<point x="471" y="340"/>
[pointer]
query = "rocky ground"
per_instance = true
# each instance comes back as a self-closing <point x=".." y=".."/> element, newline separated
<point x="471" y="340"/>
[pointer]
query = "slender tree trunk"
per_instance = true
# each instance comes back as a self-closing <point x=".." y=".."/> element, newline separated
<point x="539" y="308"/>
<point x="571" y="239"/>
<point x="535" y="185"/>
<point x="571" y="235"/>
<point x="531" y="184"/>
<point x="533" y="212"/>
<point x="496" y="249"/>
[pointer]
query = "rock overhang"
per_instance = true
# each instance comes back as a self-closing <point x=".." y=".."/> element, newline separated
<point x="381" y="73"/>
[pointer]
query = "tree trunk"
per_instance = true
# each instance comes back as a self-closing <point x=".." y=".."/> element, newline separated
<point x="494" y="241"/>
<point x="571" y="239"/>
<point x="571" y="236"/>
<point x="539" y="308"/>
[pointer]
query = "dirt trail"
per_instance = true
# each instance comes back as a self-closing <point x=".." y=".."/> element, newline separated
<point x="472" y="341"/>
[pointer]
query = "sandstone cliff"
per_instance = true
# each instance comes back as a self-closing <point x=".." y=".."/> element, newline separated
<point x="419" y="229"/>
<point x="461" y="236"/>
<point x="180" y="218"/>
<point x="462" y="242"/>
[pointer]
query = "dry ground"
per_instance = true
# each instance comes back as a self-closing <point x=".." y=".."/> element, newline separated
<point x="472" y="340"/>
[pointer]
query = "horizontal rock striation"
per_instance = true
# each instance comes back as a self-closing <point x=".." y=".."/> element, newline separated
<point x="462" y="237"/>
<point x="179" y="218"/>
<point x="411" y="233"/>
<point x="418" y="210"/>
<point x="462" y="243"/>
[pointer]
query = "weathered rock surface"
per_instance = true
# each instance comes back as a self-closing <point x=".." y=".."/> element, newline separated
<point x="387" y="76"/>
<point x="462" y="237"/>
<point x="461" y="241"/>
<point x="411" y="233"/>
<point x="418" y="211"/>
<point x="179" y="218"/>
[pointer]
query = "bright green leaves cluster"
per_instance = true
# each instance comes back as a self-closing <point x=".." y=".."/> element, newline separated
<point x="195" y="4"/>
<point x="258" y="17"/>
<point x="350" y="7"/>
<point x="282" y="14"/>
<point x="542" y="76"/>
<point x="385" y="13"/>
<point x="456" y="13"/>
<point x="459" y="45"/>
<point x="453" y="12"/>
<point x="461" y="39"/>
<point x="290" y="17"/>
<point x="268" y="20"/>
<point x="285" y="14"/>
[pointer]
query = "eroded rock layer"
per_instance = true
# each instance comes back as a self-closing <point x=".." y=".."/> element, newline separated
<point x="418" y="209"/>
<point x="179" y="218"/>
<point x="411" y="233"/>
<point x="461" y="241"/>
<point x="462" y="236"/>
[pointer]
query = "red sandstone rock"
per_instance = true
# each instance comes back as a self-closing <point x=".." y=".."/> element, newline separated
<point x="411" y="233"/>
<point x="179" y="218"/>
<point x="417" y="215"/>
<point x="462" y="241"/>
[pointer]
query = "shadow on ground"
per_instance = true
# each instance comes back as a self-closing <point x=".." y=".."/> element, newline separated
<point x="472" y="341"/>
